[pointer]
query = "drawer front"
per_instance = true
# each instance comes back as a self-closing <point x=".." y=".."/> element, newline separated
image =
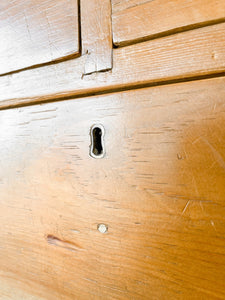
<point x="35" y="32"/>
<point x="136" y="20"/>
<point x="145" y="220"/>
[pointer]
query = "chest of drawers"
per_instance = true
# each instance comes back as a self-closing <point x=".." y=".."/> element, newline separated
<point x="112" y="177"/>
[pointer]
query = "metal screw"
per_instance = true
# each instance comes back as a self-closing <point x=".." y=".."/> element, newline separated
<point x="102" y="228"/>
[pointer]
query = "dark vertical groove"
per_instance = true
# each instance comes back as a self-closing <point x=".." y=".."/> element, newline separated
<point x="79" y="26"/>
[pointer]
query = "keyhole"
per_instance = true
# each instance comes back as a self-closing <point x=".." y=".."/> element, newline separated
<point x="97" y="143"/>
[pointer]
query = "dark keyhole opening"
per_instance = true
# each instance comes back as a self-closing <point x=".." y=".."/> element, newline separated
<point x="97" y="141"/>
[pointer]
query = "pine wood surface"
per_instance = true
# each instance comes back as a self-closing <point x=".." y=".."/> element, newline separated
<point x="145" y="219"/>
<point x="134" y="21"/>
<point x="35" y="32"/>
<point x="191" y="54"/>
<point x="159" y="189"/>
<point x="96" y="31"/>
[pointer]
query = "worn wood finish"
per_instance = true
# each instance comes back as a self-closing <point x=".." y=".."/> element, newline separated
<point x="96" y="30"/>
<point x="160" y="189"/>
<point x="189" y="54"/>
<point x="35" y="32"/>
<point x="134" y="21"/>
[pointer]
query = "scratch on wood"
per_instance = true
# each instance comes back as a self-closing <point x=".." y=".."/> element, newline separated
<point x="52" y="240"/>
<point x="213" y="225"/>
<point x="75" y="230"/>
<point x="27" y="25"/>
<point x="216" y="154"/>
<point x="201" y="205"/>
<point x="185" y="208"/>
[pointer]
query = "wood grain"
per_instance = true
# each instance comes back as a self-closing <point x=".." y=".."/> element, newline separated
<point x="137" y="20"/>
<point x="160" y="190"/>
<point x="185" y="55"/>
<point x="96" y="30"/>
<point x="35" y="32"/>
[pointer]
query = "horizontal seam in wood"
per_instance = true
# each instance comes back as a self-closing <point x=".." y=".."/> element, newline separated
<point x="55" y="61"/>
<point x="167" y="33"/>
<point x="103" y="91"/>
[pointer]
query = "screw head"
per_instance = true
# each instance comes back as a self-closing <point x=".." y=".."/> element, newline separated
<point x="102" y="228"/>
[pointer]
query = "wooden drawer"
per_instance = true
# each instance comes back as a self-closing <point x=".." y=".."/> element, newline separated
<point x="137" y="20"/>
<point x="159" y="189"/>
<point x="194" y="54"/>
<point x="35" y="32"/>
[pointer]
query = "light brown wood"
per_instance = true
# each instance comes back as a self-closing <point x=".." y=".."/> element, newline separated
<point x="140" y="19"/>
<point x="190" y="54"/>
<point x="96" y="35"/>
<point x="36" y="32"/>
<point x="146" y="218"/>
<point x="159" y="189"/>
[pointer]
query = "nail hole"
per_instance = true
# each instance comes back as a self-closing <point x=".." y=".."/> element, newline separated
<point x="97" y="144"/>
<point x="102" y="228"/>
